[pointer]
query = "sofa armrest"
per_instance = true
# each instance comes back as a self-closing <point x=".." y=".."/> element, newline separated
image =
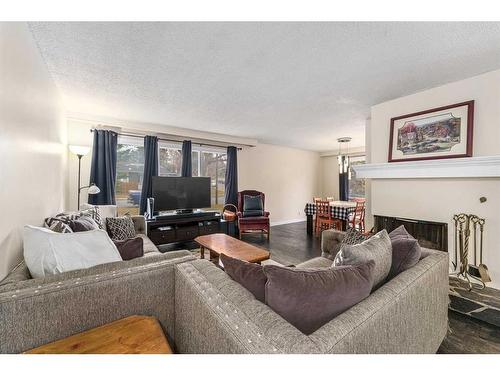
<point x="215" y="314"/>
<point x="43" y="310"/>
<point x="139" y="224"/>
<point x="330" y="243"/>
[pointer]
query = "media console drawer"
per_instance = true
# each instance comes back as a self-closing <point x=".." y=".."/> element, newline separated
<point x="187" y="233"/>
<point x="162" y="236"/>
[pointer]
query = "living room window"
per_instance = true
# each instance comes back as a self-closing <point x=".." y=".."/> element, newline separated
<point x="206" y="162"/>
<point x="129" y="174"/>
<point x="213" y="165"/>
<point x="356" y="185"/>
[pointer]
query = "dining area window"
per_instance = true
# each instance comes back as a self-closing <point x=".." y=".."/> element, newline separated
<point x="356" y="185"/>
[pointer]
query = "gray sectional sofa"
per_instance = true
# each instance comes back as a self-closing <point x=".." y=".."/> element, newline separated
<point x="202" y="310"/>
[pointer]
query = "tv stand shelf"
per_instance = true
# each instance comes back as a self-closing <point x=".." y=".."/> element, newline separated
<point x="181" y="227"/>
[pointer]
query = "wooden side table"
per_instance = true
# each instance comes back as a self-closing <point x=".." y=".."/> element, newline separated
<point x="132" y="335"/>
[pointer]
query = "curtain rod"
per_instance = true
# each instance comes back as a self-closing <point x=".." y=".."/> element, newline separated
<point x="135" y="135"/>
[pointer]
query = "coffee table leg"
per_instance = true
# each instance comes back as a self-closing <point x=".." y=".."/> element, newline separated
<point x="202" y="252"/>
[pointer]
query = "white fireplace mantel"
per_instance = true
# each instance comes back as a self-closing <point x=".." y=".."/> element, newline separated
<point x="479" y="166"/>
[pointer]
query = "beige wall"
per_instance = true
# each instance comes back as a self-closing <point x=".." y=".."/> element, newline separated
<point x="289" y="177"/>
<point x="32" y="141"/>
<point x="329" y="177"/>
<point x="439" y="199"/>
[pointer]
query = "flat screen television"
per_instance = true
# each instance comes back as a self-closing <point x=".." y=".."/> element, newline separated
<point x="181" y="193"/>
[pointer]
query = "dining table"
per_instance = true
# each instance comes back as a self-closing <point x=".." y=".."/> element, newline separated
<point x="338" y="209"/>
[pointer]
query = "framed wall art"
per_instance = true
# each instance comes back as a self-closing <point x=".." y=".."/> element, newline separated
<point x="438" y="133"/>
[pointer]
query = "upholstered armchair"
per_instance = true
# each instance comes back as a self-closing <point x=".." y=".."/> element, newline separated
<point x="251" y="213"/>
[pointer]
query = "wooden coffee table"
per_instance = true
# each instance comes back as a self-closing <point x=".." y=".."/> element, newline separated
<point x="220" y="243"/>
<point x="132" y="335"/>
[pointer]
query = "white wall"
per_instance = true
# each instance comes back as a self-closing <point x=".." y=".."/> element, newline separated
<point x="439" y="199"/>
<point x="78" y="134"/>
<point x="289" y="177"/>
<point x="32" y="141"/>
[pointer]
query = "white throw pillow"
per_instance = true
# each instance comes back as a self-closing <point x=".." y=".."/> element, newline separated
<point x="49" y="253"/>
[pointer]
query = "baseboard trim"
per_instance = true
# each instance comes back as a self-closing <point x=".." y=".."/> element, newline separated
<point x="273" y="224"/>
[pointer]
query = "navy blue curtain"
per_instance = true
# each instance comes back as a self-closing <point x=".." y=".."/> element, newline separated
<point x="186" y="169"/>
<point x="150" y="170"/>
<point x="343" y="181"/>
<point x="231" y="178"/>
<point x="103" y="167"/>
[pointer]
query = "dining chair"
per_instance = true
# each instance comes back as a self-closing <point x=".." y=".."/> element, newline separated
<point x="357" y="218"/>
<point x="324" y="219"/>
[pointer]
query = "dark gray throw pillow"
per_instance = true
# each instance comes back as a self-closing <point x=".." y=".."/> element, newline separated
<point x="310" y="298"/>
<point x="252" y="203"/>
<point x="406" y="251"/>
<point x="377" y="248"/>
<point x="120" y="228"/>
<point x="250" y="275"/>
<point x="83" y="224"/>
<point x="130" y="248"/>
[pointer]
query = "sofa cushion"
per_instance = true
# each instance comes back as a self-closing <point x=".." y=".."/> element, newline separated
<point x="310" y="298"/>
<point x="120" y="228"/>
<point x="318" y="262"/>
<point x="19" y="273"/>
<point x="148" y="245"/>
<point x="406" y="251"/>
<point x="249" y="275"/>
<point x="130" y="248"/>
<point x="50" y="253"/>
<point x="377" y="248"/>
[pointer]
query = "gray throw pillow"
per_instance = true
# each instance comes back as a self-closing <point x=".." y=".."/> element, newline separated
<point x="250" y="275"/>
<point x="406" y="251"/>
<point x="120" y="228"/>
<point x="83" y="224"/>
<point x="310" y="298"/>
<point x="377" y="248"/>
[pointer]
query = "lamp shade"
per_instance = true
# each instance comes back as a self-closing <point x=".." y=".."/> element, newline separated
<point x="79" y="150"/>
<point x="93" y="189"/>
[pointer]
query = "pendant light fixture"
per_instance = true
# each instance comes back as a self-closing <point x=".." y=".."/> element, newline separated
<point x="343" y="157"/>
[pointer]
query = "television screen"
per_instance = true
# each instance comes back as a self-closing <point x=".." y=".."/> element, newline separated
<point x="176" y="193"/>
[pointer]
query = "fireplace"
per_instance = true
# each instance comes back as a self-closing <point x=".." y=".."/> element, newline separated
<point x="432" y="235"/>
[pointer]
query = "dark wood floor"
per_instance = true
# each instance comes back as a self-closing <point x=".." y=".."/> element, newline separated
<point x="289" y="244"/>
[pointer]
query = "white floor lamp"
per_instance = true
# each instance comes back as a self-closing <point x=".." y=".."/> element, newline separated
<point x="81" y="151"/>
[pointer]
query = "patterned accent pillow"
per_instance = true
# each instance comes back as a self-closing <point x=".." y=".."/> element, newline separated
<point x="95" y="214"/>
<point x="60" y="223"/>
<point x="120" y="228"/>
<point x="352" y="237"/>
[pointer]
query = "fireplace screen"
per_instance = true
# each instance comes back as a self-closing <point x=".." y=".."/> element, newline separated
<point x="429" y="234"/>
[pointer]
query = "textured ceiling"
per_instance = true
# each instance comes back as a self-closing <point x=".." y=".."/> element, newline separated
<point x="296" y="84"/>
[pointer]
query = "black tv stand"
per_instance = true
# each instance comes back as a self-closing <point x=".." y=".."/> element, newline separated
<point x="180" y="227"/>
